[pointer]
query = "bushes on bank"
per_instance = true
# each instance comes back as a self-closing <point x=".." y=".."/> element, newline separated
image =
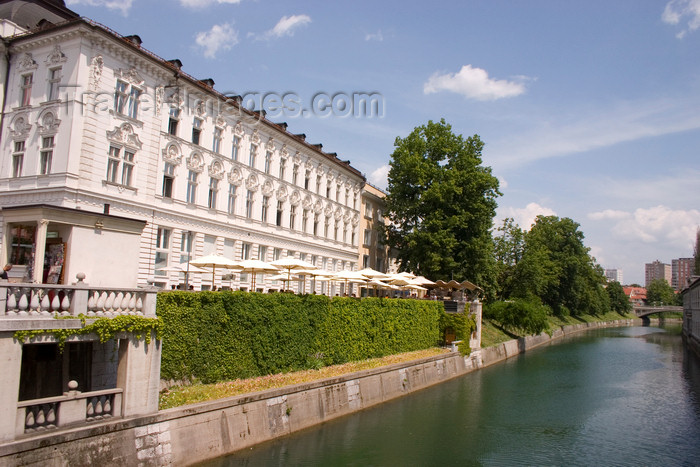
<point x="527" y="316"/>
<point x="219" y="336"/>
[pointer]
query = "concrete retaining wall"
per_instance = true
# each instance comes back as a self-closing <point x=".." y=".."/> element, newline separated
<point x="194" y="433"/>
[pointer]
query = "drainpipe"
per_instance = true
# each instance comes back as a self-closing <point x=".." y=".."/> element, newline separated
<point x="5" y="250"/>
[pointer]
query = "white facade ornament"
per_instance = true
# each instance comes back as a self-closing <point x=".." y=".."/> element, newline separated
<point x="216" y="170"/>
<point x="252" y="182"/>
<point x="346" y="216"/>
<point x="96" y="67"/>
<point x="235" y="177"/>
<point x="200" y="109"/>
<point x="160" y="98"/>
<point x="284" y="153"/>
<point x="55" y="57"/>
<point x="48" y="123"/>
<point x="329" y="210"/>
<point x="20" y="126"/>
<point x="282" y="193"/>
<point x="238" y="129"/>
<point x="175" y="100"/>
<point x="172" y="155"/>
<point x="270" y="146"/>
<point x="195" y="162"/>
<point x="338" y="213"/>
<point x="355" y="219"/>
<point x="267" y="188"/>
<point x="124" y="134"/>
<point x="295" y="198"/>
<point x="131" y="76"/>
<point x="321" y="170"/>
<point x="255" y="137"/>
<point x="330" y="176"/>
<point x="297" y="158"/>
<point x="356" y="188"/>
<point x="307" y="202"/>
<point x="318" y="207"/>
<point x="27" y="63"/>
<point x="309" y="165"/>
<point x="220" y="121"/>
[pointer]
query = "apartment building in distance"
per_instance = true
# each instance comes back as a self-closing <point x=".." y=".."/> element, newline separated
<point x="614" y="275"/>
<point x="681" y="272"/>
<point x="657" y="270"/>
<point x="117" y="164"/>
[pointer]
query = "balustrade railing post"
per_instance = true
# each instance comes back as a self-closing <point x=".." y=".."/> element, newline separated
<point x="79" y="304"/>
<point x="3" y="301"/>
<point x="149" y="302"/>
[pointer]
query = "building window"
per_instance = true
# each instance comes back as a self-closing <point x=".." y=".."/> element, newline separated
<point x="365" y="261"/>
<point x="236" y="145"/>
<point x="347" y="197"/>
<point x="354" y="238"/>
<point x="54" y="81"/>
<point x="318" y="184"/>
<point x="368" y="210"/>
<point x="278" y="220"/>
<point x="213" y="193"/>
<point x="307" y="180"/>
<point x="126" y="99"/>
<point x="216" y="145"/>
<point x="295" y="174"/>
<point x="268" y="161"/>
<point x="337" y="193"/>
<point x="345" y="233"/>
<point x="316" y="220"/>
<point x="249" y="204"/>
<point x="265" y="206"/>
<point x="325" y="228"/>
<point x="231" y="199"/>
<point x="18" y="159"/>
<point x="368" y="237"/>
<point x="114" y="161"/>
<point x="276" y="254"/>
<point x="185" y="247"/>
<point x="26" y="88"/>
<point x="335" y="230"/>
<point x="253" y="154"/>
<point x="191" y="187"/>
<point x="162" y="248"/>
<point x="245" y="251"/>
<point x="46" y="155"/>
<point x="292" y="216"/>
<point x="22" y="239"/>
<point x="196" y="130"/>
<point x="304" y="220"/>
<point x="168" y="179"/>
<point x="262" y="252"/>
<point x="173" y="121"/>
<point x="283" y="166"/>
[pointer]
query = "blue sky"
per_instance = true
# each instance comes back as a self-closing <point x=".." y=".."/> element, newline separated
<point x="589" y="110"/>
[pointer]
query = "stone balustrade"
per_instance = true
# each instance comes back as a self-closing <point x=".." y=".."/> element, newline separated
<point x="24" y="300"/>
<point x="72" y="407"/>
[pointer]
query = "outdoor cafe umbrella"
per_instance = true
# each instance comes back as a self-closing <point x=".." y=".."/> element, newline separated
<point x="373" y="274"/>
<point x="290" y="263"/>
<point x="213" y="261"/>
<point x="254" y="266"/>
<point x="349" y="276"/>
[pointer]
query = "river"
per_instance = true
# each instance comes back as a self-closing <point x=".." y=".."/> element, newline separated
<point x="610" y="397"/>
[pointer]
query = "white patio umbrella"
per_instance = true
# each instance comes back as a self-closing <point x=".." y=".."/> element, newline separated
<point x="420" y="280"/>
<point x="290" y="263"/>
<point x="182" y="267"/>
<point x="213" y="261"/>
<point x="254" y="266"/>
<point x="349" y="276"/>
<point x="373" y="274"/>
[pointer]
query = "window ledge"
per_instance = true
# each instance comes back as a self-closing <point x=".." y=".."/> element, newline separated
<point x="119" y="186"/>
<point x="134" y="121"/>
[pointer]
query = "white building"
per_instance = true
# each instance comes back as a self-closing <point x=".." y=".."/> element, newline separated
<point x="614" y="275"/>
<point x="117" y="164"/>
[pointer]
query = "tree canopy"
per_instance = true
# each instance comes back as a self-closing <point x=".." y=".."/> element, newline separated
<point x="441" y="202"/>
<point x="660" y="292"/>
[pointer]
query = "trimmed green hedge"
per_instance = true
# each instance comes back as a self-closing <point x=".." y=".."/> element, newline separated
<point x="221" y="336"/>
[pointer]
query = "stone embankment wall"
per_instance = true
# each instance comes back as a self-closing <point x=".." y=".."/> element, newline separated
<point x="194" y="433"/>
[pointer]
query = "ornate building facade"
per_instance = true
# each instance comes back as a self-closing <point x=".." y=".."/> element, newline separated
<point x="117" y="164"/>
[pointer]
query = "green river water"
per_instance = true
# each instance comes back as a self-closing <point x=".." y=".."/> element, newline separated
<point x="611" y="397"/>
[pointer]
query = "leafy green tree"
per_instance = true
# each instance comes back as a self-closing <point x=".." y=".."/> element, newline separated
<point x="618" y="300"/>
<point x="660" y="292"/>
<point x="529" y="317"/>
<point x="509" y="245"/>
<point x="556" y="268"/>
<point x="441" y="202"/>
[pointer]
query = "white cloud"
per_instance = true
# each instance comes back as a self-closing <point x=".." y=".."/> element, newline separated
<point x="561" y="135"/>
<point x="526" y="216"/>
<point x="379" y="177"/>
<point x="377" y="36"/>
<point x="659" y="224"/>
<point x="219" y="37"/>
<point x="473" y="83"/>
<point x="287" y="26"/>
<point x="678" y="9"/>
<point x="121" y="5"/>
<point x="204" y="3"/>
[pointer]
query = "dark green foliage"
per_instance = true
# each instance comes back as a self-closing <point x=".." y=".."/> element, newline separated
<point x="441" y="202"/>
<point x="557" y="270"/>
<point x="528" y="317"/>
<point x="659" y="292"/>
<point x="219" y="336"/>
<point x="462" y="323"/>
<point x="619" y="302"/>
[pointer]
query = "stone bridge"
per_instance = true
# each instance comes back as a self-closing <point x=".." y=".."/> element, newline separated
<point x="644" y="311"/>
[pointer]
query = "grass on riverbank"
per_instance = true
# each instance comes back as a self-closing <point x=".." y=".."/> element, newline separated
<point x="491" y="335"/>
<point x="197" y="392"/>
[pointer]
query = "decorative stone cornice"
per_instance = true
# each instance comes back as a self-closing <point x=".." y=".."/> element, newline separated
<point x="252" y="182"/>
<point x="96" y="68"/>
<point x="20" y="127"/>
<point x="282" y="193"/>
<point x="216" y="169"/>
<point x="195" y="162"/>
<point x="55" y="57"/>
<point x="26" y="63"/>
<point x="124" y="134"/>
<point x="48" y="123"/>
<point x="235" y="177"/>
<point x="172" y="154"/>
<point x="131" y="76"/>
<point x="295" y="198"/>
<point x="268" y="188"/>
